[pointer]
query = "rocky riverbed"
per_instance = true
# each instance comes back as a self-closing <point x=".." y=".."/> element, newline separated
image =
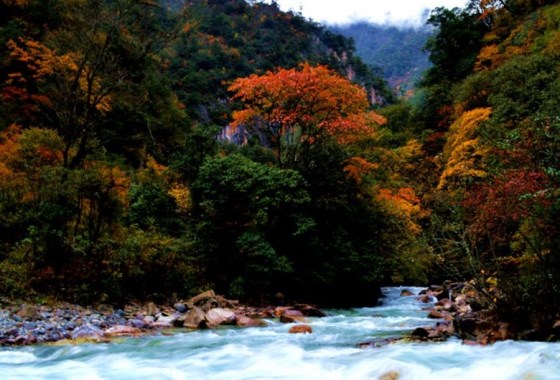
<point x="468" y="314"/>
<point x="29" y="324"/>
<point x="460" y="310"/>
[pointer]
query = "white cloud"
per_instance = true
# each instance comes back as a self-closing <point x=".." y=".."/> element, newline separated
<point x="377" y="11"/>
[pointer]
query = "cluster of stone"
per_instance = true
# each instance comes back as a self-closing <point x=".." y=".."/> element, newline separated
<point x="29" y="324"/>
<point x="468" y="314"/>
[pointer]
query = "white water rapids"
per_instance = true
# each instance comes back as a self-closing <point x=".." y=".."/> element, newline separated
<point x="331" y="352"/>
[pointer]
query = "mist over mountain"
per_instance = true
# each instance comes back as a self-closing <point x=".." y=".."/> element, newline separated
<point x="396" y="50"/>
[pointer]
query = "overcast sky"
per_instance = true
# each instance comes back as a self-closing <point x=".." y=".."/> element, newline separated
<point x="375" y="11"/>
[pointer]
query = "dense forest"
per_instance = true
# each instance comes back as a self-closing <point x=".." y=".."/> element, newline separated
<point x="150" y="148"/>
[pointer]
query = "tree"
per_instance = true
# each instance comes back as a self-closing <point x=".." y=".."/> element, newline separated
<point x="463" y="153"/>
<point x="79" y="78"/>
<point x="298" y="107"/>
<point x="246" y="212"/>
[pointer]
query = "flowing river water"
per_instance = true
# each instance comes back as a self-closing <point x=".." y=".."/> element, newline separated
<point x="331" y="352"/>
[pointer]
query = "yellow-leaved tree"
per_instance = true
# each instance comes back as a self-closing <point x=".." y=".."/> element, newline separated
<point x="463" y="152"/>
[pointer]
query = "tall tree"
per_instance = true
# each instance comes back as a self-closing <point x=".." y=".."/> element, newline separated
<point x="298" y="107"/>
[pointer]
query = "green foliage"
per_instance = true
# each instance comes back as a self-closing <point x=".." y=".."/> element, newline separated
<point x="150" y="265"/>
<point x="524" y="86"/>
<point x="254" y="205"/>
<point x="453" y="49"/>
<point x="151" y="206"/>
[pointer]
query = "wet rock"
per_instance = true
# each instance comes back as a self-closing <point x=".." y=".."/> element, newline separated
<point x="122" y="331"/>
<point x="434" y="314"/>
<point x="379" y="342"/>
<point x="245" y="321"/>
<point x="292" y="313"/>
<point x="482" y="327"/>
<point x="391" y="375"/>
<point x="138" y="323"/>
<point x="406" y="293"/>
<point x="180" y="307"/>
<point x="87" y="332"/>
<point x="420" y="332"/>
<point x="162" y="325"/>
<point x="278" y="311"/>
<point x="311" y="311"/>
<point x="167" y="319"/>
<point x="219" y="316"/>
<point x="292" y="316"/>
<point x="300" y="329"/>
<point x="292" y="319"/>
<point x="195" y="319"/>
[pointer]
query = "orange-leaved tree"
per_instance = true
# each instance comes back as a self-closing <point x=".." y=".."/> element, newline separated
<point x="297" y="107"/>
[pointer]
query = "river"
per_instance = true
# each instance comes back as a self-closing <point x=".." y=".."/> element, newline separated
<point x="330" y="352"/>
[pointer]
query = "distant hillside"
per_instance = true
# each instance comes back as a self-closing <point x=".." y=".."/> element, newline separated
<point x="396" y="51"/>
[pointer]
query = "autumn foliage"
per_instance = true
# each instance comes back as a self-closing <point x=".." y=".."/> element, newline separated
<point x="300" y="105"/>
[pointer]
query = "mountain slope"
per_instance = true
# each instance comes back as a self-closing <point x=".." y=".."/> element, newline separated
<point x="396" y="51"/>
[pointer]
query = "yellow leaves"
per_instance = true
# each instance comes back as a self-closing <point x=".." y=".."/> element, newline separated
<point x="357" y="167"/>
<point x="408" y="154"/>
<point x="42" y="62"/>
<point x="462" y="152"/>
<point x="9" y="144"/>
<point x="182" y="196"/>
<point x="538" y="33"/>
<point x="489" y="58"/>
<point x="404" y="204"/>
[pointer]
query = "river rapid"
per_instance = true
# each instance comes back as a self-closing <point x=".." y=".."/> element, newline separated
<point x="332" y="351"/>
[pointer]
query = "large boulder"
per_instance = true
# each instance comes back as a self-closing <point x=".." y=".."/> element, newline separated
<point x="195" y="319"/>
<point x="292" y="316"/>
<point x="425" y="298"/>
<point x="406" y="293"/>
<point x="310" y="311"/>
<point x="482" y="327"/>
<point x="245" y="321"/>
<point x="88" y="332"/>
<point x="434" y="314"/>
<point x="300" y="329"/>
<point x="219" y="316"/>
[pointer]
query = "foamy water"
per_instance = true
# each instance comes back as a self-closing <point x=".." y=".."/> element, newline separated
<point x="330" y="352"/>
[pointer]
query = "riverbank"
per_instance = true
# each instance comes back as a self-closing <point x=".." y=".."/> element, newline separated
<point x="27" y="324"/>
<point x="458" y="310"/>
<point x="466" y="313"/>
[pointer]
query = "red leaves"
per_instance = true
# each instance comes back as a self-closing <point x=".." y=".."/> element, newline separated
<point x="307" y="100"/>
<point x="498" y="206"/>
